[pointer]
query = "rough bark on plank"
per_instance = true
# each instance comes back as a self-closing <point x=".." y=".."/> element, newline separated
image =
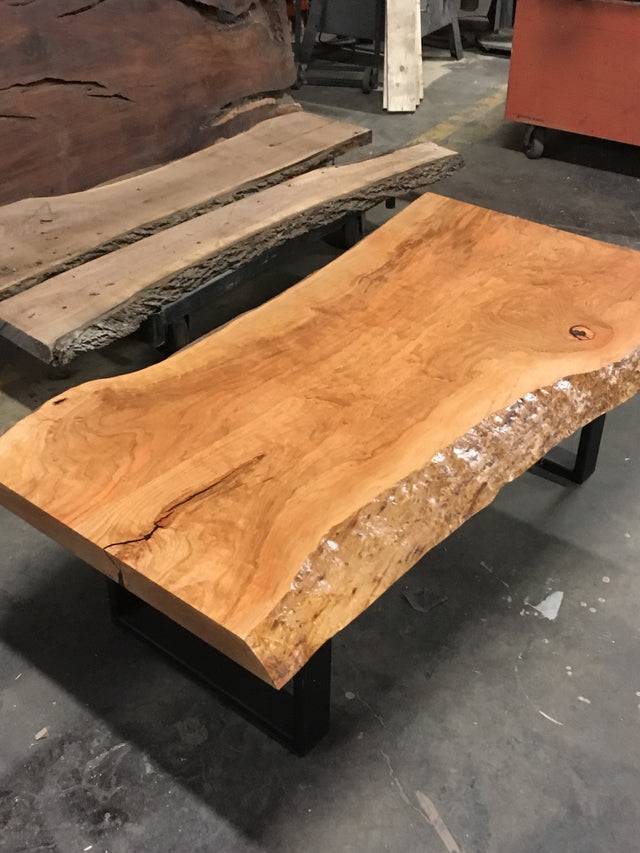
<point x="46" y="236"/>
<point x="265" y="485"/>
<point x="89" y="306"/>
<point x="90" y="91"/>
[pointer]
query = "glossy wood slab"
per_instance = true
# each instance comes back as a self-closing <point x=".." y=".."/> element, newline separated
<point x="265" y="485"/>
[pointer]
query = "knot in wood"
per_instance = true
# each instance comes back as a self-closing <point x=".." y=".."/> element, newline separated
<point x="582" y="333"/>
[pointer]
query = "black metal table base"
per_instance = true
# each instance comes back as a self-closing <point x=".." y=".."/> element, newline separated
<point x="580" y="465"/>
<point x="297" y="716"/>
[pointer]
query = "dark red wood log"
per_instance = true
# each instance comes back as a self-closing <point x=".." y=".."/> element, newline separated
<point x="93" y="89"/>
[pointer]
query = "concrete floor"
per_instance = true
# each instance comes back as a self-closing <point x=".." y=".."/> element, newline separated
<point x="524" y="733"/>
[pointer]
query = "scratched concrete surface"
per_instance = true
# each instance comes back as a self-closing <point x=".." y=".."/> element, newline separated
<point x="478" y="725"/>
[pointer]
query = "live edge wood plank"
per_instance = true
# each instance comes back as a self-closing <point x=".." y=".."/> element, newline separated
<point x="107" y="298"/>
<point x="45" y="236"/>
<point x="265" y="485"/>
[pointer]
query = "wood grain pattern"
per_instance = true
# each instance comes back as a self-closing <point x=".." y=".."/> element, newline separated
<point x="44" y="236"/>
<point x="93" y="90"/>
<point x="107" y="298"/>
<point x="265" y="485"/>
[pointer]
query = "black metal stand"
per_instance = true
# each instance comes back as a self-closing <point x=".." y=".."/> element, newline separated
<point x="500" y="39"/>
<point x="583" y="463"/>
<point x="296" y="717"/>
<point x="313" y="70"/>
<point x="440" y="25"/>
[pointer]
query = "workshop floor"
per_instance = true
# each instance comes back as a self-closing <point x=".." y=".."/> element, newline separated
<point x="522" y="732"/>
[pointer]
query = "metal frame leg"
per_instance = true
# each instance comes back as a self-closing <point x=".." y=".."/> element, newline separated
<point x="455" y="39"/>
<point x="296" y="716"/>
<point x="585" y="460"/>
<point x="331" y="70"/>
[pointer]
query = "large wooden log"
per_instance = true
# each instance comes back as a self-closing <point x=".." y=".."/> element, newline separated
<point x="103" y="300"/>
<point x="266" y="485"/>
<point x="93" y="90"/>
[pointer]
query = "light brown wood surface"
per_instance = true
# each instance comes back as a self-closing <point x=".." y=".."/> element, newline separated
<point x="43" y="236"/>
<point x="107" y="298"/>
<point x="265" y="485"/>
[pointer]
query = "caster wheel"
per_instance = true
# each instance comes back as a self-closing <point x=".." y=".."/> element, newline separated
<point x="369" y="80"/>
<point x="534" y="139"/>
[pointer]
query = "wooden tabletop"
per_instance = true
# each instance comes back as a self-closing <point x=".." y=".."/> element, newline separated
<point x="265" y="485"/>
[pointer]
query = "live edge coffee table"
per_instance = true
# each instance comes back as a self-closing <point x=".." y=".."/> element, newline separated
<point x="254" y="493"/>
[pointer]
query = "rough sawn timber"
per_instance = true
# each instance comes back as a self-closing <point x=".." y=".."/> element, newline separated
<point x="89" y="306"/>
<point x="90" y="90"/>
<point x="44" y="236"/>
<point x="264" y="486"/>
<point x="403" y="84"/>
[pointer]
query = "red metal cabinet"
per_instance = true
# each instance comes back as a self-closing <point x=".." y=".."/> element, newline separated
<point x="575" y="66"/>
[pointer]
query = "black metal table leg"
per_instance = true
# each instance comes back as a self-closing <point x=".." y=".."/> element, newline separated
<point x="296" y="716"/>
<point x="585" y="460"/>
<point x="312" y="701"/>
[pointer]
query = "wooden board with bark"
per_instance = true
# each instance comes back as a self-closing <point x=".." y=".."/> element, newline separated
<point x="94" y="89"/>
<point x="45" y="236"/>
<point x="107" y="298"/>
<point x="265" y="485"/>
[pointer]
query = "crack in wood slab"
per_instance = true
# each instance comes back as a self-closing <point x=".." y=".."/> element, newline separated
<point x="52" y="81"/>
<point x="225" y="480"/>
<point x="87" y="8"/>
<point x="116" y="95"/>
